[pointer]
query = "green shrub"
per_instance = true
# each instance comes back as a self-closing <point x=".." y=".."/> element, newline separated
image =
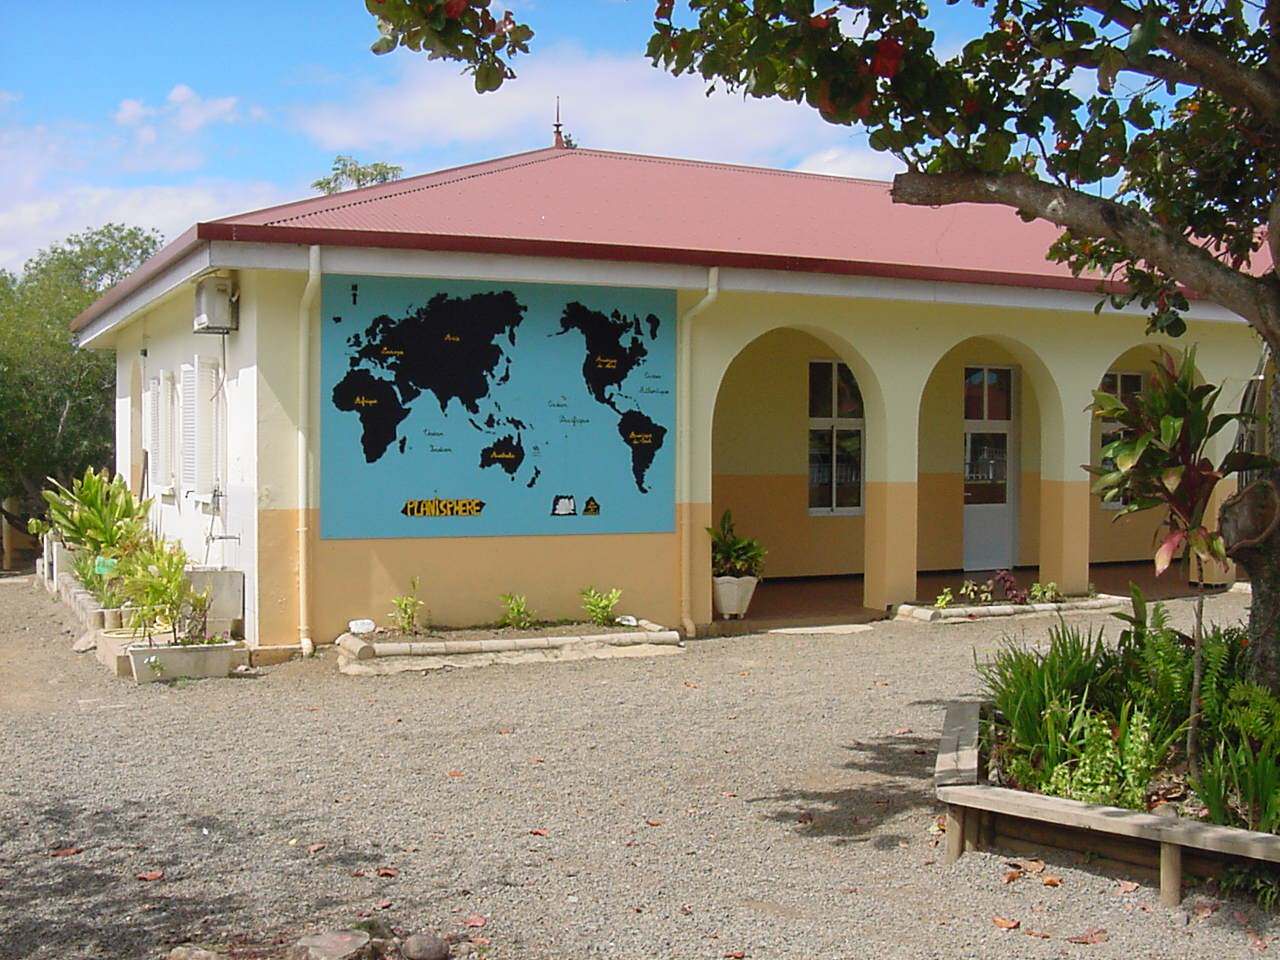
<point x="1044" y="593"/>
<point x="599" y="606"/>
<point x="732" y="555"/>
<point x="98" y="513"/>
<point x="516" y="612"/>
<point x="407" y="607"/>
<point x="160" y="597"/>
<point x="945" y="599"/>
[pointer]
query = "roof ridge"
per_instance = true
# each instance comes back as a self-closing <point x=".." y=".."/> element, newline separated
<point x="718" y="164"/>
<point x="498" y="166"/>
<point x="319" y="200"/>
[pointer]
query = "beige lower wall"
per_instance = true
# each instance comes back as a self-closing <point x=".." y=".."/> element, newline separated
<point x="891" y="544"/>
<point x="775" y="510"/>
<point x="941" y="521"/>
<point x="1064" y="516"/>
<point x="461" y="578"/>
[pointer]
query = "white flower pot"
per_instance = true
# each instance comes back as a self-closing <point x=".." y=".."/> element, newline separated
<point x="732" y="595"/>
<point x="152" y="663"/>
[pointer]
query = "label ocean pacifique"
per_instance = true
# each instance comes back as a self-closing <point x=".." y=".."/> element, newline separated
<point x="453" y="408"/>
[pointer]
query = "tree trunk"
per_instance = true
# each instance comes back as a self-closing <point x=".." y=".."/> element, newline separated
<point x="1197" y="678"/>
<point x="1250" y="525"/>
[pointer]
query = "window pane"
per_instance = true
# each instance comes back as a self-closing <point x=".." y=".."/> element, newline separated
<point x="820" y="389"/>
<point x="820" y="469"/>
<point x="848" y="396"/>
<point x="848" y="468"/>
<point x="1130" y="387"/>
<point x="999" y="394"/>
<point x="1109" y="382"/>
<point x="973" y="409"/>
<point x="985" y="468"/>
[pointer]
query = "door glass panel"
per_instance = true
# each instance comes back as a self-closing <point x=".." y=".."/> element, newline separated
<point x="848" y="396"/>
<point x="848" y="468"/>
<point x="986" y="468"/>
<point x="999" y="394"/>
<point x="1130" y="387"/>
<point x="973" y="407"/>
<point x="820" y="469"/>
<point x="819" y="389"/>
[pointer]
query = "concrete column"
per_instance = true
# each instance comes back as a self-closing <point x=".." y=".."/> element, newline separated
<point x="1065" y="501"/>
<point x="892" y="498"/>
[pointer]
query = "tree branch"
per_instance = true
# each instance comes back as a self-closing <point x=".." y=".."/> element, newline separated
<point x="1255" y="299"/>
<point x="1219" y="72"/>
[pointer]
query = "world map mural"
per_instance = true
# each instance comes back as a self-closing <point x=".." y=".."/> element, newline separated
<point x="454" y="408"/>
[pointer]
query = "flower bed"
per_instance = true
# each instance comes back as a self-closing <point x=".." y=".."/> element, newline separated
<point x="1105" y="726"/>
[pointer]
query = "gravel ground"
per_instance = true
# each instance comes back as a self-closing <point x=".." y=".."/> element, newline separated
<point x="766" y="797"/>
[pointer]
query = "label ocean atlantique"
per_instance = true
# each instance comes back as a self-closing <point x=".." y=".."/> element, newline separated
<point x="454" y="408"/>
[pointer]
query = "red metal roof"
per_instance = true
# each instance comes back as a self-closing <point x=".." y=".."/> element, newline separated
<point x="594" y="204"/>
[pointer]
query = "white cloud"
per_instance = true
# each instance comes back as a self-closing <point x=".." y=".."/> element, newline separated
<point x="132" y="112"/>
<point x="860" y="162"/>
<point x="35" y="220"/>
<point x="7" y="97"/>
<point x="608" y="102"/>
<point x="192" y="112"/>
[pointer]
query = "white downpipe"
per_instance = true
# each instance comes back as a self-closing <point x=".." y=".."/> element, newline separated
<point x="304" y="452"/>
<point x="685" y="436"/>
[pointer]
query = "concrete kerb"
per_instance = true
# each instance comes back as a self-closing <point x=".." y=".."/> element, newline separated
<point x="911" y="611"/>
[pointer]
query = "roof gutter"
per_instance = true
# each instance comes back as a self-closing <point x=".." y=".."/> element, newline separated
<point x="684" y="445"/>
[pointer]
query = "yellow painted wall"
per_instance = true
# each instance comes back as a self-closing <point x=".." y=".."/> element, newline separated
<point x="760" y="460"/>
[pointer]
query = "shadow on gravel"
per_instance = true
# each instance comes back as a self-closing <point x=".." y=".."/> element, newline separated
<point x="91" y="904"/>
<point x="899" y="770"/>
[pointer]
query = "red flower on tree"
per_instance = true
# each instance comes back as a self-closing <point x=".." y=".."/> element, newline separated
<point x="887" y="60"/>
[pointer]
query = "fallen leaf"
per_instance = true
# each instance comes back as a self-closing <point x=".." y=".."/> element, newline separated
<point x="66" y="852"/>
<point x="1033" y="866"/>
<point x="151" y="875"/>
<point x="383" y="904"/>
<point x="1011" y="875"/>
<point x="728" y="794"/>
<point x="480" y="941"/>
<point x="388" y="872"/>
<point x="357" y="873"/>
<point x="902" y="731"/>
<point x="537" y="832"/>
<point x="1239" y="917"/>
<point x="735" y="955"/>
<point x="691" y="685"/>
<point x="455" y="774"/>
<point x="1128" y="886"/>
<point x="805" y="817"/>
<point x="1051" y="881"/>
<point x="1206" y="910"/>
<point x="1258" y="942"/>
<point x="1038" y="934"/>
<point x="686" y="909"/>
<point x="1004" y="923"/>
<point x="475" y="921"/>
<point x="654" y="823"/>
<point x="504" y="731"/>
<point x="536" y="760"/>
<point x="316" y="847"/>
<point x="1096" y="935"/>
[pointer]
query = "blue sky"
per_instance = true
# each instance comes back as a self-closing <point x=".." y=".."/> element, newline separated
<point x="160" y="114"/>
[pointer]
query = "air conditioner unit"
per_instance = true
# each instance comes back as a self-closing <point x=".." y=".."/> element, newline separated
<point x="217" y="306"/>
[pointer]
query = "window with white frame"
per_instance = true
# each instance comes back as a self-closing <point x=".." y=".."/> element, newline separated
<point x="202" y="436"/>
<point x="1126" y="386"/>
<point x="836" y="427"/>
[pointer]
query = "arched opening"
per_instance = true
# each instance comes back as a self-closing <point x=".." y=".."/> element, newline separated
<point x="981" y="426"/>
<point x="790" y="438"/>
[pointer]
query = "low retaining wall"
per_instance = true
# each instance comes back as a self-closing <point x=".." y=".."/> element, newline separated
<point x="911" y="611"/>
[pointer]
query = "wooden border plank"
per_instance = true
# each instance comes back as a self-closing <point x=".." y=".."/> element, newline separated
<point x="957" y="762"/>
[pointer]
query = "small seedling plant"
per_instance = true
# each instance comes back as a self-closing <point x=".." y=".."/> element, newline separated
<point x="407" y="608"/>
<point x="515" y="611"/>
<point x="599" y="606"/>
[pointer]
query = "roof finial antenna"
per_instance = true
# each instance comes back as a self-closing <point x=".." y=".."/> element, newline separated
<point x="559" y="136"/>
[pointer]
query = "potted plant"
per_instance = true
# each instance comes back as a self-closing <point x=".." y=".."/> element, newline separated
<point x="165" y="606"/>
<point x="736" y="563"/>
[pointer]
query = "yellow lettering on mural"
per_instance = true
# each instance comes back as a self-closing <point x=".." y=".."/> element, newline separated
<point x="443" y="507"/>
<point x="389" y="352"/>
<point x="607" y="363"/>
<point x="363" y="401"/>
<point x="498" y="455"/>
<point x="452" y="338"/>
<point x="634" y="437"/>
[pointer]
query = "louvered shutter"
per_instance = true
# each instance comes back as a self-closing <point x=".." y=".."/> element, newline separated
<point x="151" y="430"/>
<point x="164" y="451"/>
<point x="208" y="423"/>
<point x="189" y="401"/>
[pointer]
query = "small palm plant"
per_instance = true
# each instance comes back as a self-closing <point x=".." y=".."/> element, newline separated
<point x="1160" y="461"/>
<point x="732" y="555"/>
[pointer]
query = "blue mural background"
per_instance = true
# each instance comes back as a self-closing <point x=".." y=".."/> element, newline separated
<point x="556" y="436"/>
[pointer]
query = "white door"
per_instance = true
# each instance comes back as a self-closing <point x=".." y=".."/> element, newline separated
<point x="990" y="468"/>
